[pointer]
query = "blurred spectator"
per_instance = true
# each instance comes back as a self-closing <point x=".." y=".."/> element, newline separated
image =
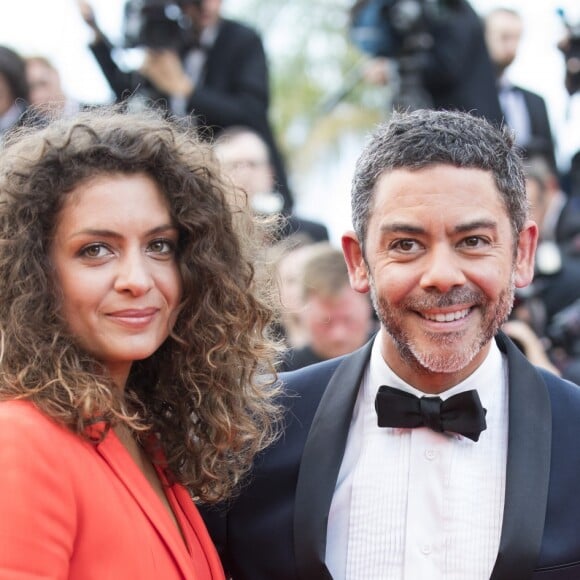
<point x="524" y="111"/>
<point x="551" y="304"/>
<point x="217" y="73"/>
<point x="557" y="215"/>
<point x="47" y="96"/>
<point x="337" y="319"/>
<point x="569" y="132"/>
<point x="530" y="344"/>
<point x="13" y="89"/>
<point x="440" y="51"/>
<point x="244" y="156"/>
<point x="289" y="257"/>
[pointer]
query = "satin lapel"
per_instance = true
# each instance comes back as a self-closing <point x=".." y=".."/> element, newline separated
<point x="528" y="468"/>
<point x="125" y="469"/>
<point x="321" y="462"/>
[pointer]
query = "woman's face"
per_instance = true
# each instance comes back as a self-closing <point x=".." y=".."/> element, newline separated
<point x="114" y="253"/>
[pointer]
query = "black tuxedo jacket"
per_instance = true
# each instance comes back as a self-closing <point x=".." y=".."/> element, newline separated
<point x="276" y="528"/>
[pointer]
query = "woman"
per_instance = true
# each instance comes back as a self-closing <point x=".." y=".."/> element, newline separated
<point x="134" y="364"/>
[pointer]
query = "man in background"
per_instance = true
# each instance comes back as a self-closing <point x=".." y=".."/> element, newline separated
<point x="245" y="158"/>
<point x="336" y="319"/>
<point x="47" y="96"/>
<point x="213" y="70"/>
<point x="524" y="111"/>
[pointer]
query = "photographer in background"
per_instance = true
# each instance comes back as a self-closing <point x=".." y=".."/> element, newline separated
<point x="437" y="48"/>
<point x="198" y="64"/>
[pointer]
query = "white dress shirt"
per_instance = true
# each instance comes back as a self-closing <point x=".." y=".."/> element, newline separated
<point x="413" y="504"/>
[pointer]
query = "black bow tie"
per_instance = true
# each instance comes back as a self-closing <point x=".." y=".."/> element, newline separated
<point x="461" y="413"/>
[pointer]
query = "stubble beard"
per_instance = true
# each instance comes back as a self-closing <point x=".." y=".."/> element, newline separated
<point x="452" y="352"/>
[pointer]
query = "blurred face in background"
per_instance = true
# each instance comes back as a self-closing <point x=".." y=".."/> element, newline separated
<point x="503" y="31"/>
<point x="337" y="324"/>
<point x="204" y="13"/>
<point x="245" y="161"/>
<point x="6" y="96"/>
<point x="44" y="83"/>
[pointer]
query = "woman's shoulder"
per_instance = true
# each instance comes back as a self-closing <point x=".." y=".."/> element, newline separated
<point x="23" y="420"/>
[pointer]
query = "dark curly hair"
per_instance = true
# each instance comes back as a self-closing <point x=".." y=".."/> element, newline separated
<point x="207" y="394"/>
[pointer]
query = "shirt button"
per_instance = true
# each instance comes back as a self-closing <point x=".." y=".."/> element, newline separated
<point x="430" y="454"/>
<point x="426" y="549"/>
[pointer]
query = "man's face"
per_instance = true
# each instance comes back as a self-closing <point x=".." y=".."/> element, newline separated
<point x="203" y="14"/>
<point x="441" y="266"/>
<point x="245" y="160"/>
<point x="44" y="84"/>
<point x="502" y="34"/>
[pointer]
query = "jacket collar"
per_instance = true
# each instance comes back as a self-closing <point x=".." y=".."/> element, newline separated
<point x="117" y="457"/>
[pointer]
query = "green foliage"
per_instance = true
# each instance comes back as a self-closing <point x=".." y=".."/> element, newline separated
<point x="316" y="92"/>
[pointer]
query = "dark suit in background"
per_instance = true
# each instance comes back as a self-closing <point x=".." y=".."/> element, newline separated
<point x="458" y="73"/>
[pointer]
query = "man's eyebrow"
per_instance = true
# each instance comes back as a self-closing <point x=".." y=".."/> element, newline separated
<point x="412" y="229"/>
<point x="480" y="224"/>
<point x="401" y="228"/>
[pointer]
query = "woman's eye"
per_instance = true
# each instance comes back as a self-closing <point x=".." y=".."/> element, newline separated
<point x="95" y="251"/>
<point x="162" y="246"/>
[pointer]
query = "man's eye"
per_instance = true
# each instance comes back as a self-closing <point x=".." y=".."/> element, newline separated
<point x="474" y="242"/>
<point x="405" y="245"/>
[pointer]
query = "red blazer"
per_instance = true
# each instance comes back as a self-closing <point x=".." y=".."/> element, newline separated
<point x="70" y="510"/>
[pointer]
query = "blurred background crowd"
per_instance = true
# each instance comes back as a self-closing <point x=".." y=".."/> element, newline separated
<point x="288" y="91"/>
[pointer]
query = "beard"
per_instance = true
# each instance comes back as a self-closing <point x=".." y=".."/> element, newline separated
<point x="453" y="351"/>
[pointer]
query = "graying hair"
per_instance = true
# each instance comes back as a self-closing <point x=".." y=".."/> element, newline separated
<point x="417" y="139"/>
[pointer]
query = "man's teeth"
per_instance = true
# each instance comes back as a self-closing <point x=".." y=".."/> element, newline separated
<point x="448" y="317"/>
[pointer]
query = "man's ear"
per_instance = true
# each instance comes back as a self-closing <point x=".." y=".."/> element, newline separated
<point x="525" y="259"/>
<point x="357" y="268"/>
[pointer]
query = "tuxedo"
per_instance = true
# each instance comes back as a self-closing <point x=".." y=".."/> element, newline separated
<point x="277" y="526"/>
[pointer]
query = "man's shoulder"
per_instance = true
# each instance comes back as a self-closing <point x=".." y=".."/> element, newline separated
<point x="318" y="374"/>
<point x="561" y="389"/>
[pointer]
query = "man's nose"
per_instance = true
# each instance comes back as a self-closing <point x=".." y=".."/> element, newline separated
<point x="443" y="269"/>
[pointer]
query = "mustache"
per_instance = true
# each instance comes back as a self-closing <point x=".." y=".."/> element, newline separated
<point x="456" y="296"/>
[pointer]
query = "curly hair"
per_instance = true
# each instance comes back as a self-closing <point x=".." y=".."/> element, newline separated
<point x="417" y="139"/>
<point x="208" y="393"/>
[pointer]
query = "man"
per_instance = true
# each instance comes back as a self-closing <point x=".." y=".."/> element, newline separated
<point x="245" y="158"/>
<point x="47" y="95"/>
<point x="336" y="319"/>
<point x="524" y="111"/>
<point x="441" y="241"/>
<point x="218" y="75"/>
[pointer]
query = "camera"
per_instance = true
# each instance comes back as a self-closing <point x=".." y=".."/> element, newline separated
<point x="156" y="23"/>
<point x="392" y="28"/>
